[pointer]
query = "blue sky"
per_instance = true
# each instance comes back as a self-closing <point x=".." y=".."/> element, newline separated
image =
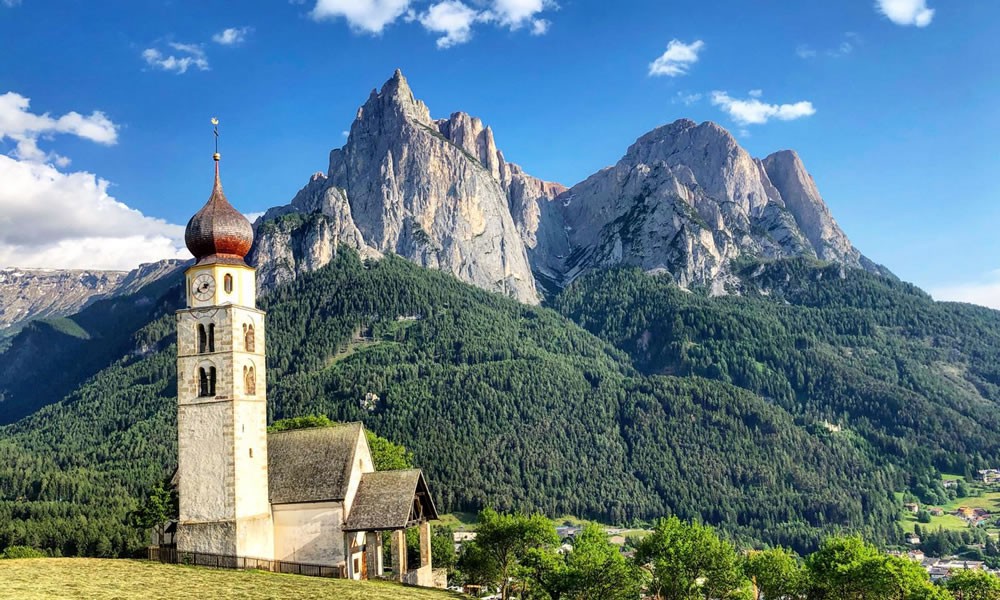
<point x="892" y="105"/>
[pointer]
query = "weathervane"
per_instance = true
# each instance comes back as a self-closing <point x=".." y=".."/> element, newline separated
<point x="215" y="122"/>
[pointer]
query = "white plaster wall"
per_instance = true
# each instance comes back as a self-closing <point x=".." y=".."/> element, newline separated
<point x="244" y="285"/>
<point x="309" y="533"/>
<point x="205" y="465"/>
<point x="363" y="463"/>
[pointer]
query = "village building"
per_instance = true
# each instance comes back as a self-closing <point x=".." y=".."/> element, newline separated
<point x="310" y="496"/>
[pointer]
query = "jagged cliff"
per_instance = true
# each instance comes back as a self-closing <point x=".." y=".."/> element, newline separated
<point x="437" y="192"/>
<point x="685" y="199"/>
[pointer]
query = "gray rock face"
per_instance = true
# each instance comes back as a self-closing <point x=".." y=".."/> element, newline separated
<point x="27" y="294"/>
<point x="685" y="199"/>
<point x="434" y="192"/>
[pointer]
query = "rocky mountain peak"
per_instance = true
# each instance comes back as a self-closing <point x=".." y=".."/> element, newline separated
<point x="393" y="104"/>
<point x="685" y="199"/>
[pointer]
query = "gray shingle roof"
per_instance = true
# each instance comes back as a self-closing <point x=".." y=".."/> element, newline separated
<point x="311" y="465"/>
<point x="384" y="501"/>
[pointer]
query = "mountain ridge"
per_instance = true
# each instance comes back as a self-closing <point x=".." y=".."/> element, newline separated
<point x="684" y="199"/>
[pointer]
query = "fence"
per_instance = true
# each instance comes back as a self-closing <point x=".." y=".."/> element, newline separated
<point x="220" y="561"/>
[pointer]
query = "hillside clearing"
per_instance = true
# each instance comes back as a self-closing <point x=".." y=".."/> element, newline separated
<point x="105" y="579"/>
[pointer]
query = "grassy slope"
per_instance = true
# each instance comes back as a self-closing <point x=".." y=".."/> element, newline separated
<point x="125" y="579"/>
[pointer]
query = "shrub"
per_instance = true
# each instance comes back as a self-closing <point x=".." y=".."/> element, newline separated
<point x="22" y="552"/>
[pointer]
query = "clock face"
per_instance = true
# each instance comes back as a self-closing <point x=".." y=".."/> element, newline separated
<point x="203" y="286"/>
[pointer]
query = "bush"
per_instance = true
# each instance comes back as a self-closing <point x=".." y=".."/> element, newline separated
<point x="22" y="552"/>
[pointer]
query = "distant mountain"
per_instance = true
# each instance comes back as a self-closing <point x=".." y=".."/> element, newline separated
<point x="685" y="199"/>
<point x="28" y="294"/>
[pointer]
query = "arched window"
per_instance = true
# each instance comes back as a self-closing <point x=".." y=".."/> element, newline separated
<point x="227" y="283"/>
<point x="249" y="381"/>
<point x="249" y="339"/>
<point x="202" y="382"/>
<point x="202" y="339"/>
<point x="211" y="337"/>
<point x="206" y="381"/>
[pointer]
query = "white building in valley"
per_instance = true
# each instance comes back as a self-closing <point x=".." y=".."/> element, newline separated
<point x="308" y="496"/>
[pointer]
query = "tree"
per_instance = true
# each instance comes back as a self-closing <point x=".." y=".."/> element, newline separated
<point x="974" y="585"/>
<point x="847" y="568"/>
<point x="502" y="542"/>
<point x="689" y="561"/>
<point x="595" y="568"/>
<point x="776" y="574"/>
<point x="387" y="455"/>
<point x="158" y="509"/>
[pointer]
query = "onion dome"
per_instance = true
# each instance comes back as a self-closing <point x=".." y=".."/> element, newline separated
<point x="218" y="233"/>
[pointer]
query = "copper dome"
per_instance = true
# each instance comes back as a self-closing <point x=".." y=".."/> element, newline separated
<point x="218" y="233"/>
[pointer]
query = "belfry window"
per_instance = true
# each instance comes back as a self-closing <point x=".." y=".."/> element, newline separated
<point x="249" y="381"/>
<point x="227" y="283"/>
<point x="206" y="381"/>
<point x="249" y="340"/>
<point x="206" y="338"/>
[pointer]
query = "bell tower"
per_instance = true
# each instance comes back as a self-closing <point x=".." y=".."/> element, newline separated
<point x="221" y="391"/>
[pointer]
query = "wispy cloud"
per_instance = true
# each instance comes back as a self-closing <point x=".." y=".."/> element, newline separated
<point x="846" y="47"/>
<point x="906" y="12"/>
<point x="805" y="51"/>
<point x="687" y="98"/>
<point x="189" y="55"/>
<point x="10" y="3"/>
<point x="677" y="60"/>
<point x="754" y="111"/>
<point x="232" y="36"/>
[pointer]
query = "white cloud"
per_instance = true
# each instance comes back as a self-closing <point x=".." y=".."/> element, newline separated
<point x="515" y="14"/>
<point x="17" y="123"/>
<point x="232" y="36"/>
<point x="253" y="216"/>
<point x="191" y="55"/>
<point x="985" y="292"/>
<point x="370" y="16"/>
<point x="452" y="18"/>
<point x="53" y="219"/>
<point x="540" y="26"/>
<point x="677" y="59"/>
<point x="906" y="12"/>
<point x="756" y="93"/>
<point x="756" y="112"/>
<point x="10" y="3"/>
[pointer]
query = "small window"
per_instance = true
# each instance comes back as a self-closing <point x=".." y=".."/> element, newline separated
<point x="227" y="283"/>
<point x="202" y="339"/>
<point x="357" y="566"/>
<point x="211" y="337"/>
<point x="251" y="452"/>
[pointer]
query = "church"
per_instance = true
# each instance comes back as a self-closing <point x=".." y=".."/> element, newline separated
<point x="305" y="497"/>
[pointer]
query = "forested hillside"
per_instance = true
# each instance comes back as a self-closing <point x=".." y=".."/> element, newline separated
<point x="865" y="355"/>
<point x="501" y="403"/>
